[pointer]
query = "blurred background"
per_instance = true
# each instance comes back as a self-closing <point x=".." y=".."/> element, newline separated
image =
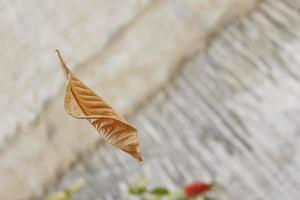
<point x="213" y="87"/>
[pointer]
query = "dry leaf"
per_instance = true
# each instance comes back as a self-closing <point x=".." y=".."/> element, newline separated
<point x="82" y="103"/>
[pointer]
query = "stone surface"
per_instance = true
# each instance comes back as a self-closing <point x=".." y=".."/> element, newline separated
<point x="231" y="115"/>
<point x="124" y="51"/>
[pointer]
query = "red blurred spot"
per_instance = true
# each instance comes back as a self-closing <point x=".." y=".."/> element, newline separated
<point x="197" y="188"/>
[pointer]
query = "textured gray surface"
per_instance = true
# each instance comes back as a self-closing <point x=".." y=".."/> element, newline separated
<point x="231" y="115"/>
<point x="100" y="38"/>
<point x="110" y="45"/>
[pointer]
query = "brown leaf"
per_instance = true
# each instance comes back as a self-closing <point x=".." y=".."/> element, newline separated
<point x="82" y="103"/>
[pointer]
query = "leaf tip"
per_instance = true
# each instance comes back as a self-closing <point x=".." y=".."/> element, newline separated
<point x="140" y="158"/>
<point x="137" y="154"/>
<point x="63" y="64"/>
<point x="134" y="151"/>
